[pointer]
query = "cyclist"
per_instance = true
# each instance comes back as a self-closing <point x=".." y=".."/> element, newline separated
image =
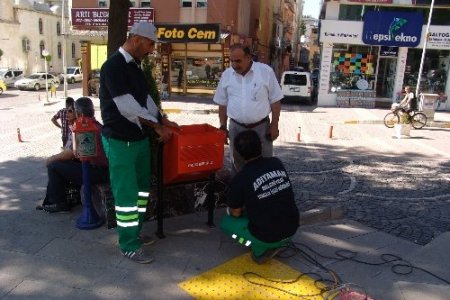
<point x="409" y="102"/>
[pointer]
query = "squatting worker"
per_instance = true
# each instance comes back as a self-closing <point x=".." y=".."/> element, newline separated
<point x="261" y="205"/>
<point x="247" y="93"/>
<point x="126" y="108"/>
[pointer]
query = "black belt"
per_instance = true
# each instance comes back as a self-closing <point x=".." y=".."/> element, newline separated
<point x="252" y="125"/>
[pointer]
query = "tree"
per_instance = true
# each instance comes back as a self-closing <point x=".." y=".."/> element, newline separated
<point x="117" y="24"/>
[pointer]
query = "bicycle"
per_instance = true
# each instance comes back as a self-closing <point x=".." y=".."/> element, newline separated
<point x="415" y="118"/>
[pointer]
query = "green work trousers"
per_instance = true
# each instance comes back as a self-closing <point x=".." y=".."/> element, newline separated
<point x="129" y="173"/>
<point x="237" y="228"/>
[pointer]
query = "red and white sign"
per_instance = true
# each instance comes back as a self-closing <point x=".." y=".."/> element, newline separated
<point x="98" y="17"/>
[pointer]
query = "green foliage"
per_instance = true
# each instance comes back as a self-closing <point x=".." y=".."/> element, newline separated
<point x="147" y="67"/>
<point x="302" y="27"/>
<point x="48" y="58"/>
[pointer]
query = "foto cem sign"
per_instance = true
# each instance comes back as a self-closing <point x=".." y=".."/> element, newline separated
<point x="390" y="28"/>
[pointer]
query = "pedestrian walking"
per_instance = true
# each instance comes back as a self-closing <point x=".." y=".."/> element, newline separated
<point x="247" y="93"/>
<point x="127" y="108"/>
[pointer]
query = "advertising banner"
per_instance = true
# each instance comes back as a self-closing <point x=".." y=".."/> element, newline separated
<point x="98" y="17"/>
<point x="391" y="28"/>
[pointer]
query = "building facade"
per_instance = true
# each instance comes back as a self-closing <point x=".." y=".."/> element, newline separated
<point x="27" y="28"/>
<point x="372" y="49"/>
<point x="188" y="66"/>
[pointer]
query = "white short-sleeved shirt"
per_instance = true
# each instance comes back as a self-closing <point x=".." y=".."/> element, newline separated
<point x="248" y="98"/>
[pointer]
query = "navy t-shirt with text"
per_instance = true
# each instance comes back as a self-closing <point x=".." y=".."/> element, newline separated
<point x="264" y="189"/>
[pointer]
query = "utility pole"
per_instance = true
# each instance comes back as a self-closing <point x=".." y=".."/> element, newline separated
<point x="63" y="29"/>
<point x="424" y="48"/>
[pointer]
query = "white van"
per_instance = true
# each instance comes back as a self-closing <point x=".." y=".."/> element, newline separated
<point x="10" y="76"/>
<point x="297" y="85"/>
<point x="74" y="74"/>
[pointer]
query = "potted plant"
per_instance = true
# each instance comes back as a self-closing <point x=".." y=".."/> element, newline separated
<point x="404" y="127"/>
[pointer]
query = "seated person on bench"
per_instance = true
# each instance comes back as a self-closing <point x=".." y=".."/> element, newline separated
<point x="64" y="167"/>
<point x="261" y="210"/>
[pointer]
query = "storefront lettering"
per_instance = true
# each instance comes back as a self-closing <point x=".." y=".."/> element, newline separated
<point x="189" y="33"/>
<point x="398" y="38"/>
<point x="194" y="33"/>
<point x="439" y="34"/>
<point x="351" y="35"/>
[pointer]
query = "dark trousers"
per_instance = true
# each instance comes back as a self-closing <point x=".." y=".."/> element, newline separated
<point x="60" y="173"/>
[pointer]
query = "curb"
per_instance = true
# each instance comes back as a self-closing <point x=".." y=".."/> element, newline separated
<point x="321" y="214"/>
<point x="192" y="111"/>
<point x="438" y="124"/>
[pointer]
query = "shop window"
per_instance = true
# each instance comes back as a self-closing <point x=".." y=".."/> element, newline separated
<point x="41" y="26"/>
<point x="145" y="3"/>
<point x="102" y="3"/>
<point x="41" y="48"/>
<point x="59" y="50"/>
<point x="202" y="3"/>
<point x="353" y="67"/>
<point x="133" y="3"/>
<point x="435" y="70"/>
<point x="186" y="3"/>
<point x="356" y="12"/>
<point x="201" y="72"/>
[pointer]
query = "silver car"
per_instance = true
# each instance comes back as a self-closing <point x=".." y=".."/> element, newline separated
<point x="36" y="81"/>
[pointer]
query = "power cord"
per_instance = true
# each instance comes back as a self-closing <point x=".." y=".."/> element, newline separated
<point x="400" y="266"/>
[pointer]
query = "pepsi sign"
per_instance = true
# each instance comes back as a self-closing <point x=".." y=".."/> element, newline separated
<point x="389" y="28"/>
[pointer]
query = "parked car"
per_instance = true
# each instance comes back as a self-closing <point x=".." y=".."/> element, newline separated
<point x="94" y="83"/>
<point x="10" y="76"/>
<point x="297" y="86"/>
<point x="74" y="74"/>
<point x="2" y="87"/>
<point x="36" y="81"/>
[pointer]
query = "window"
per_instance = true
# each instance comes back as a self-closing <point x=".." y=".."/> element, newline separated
<point x="356" y="12"/>
<point x="41" y="48"/>
<point x="59" y="50"/>
<point x="41" y="27"/>
<point x="73" y="50"/>
<point x="186" y="3"/>
<point x="58" y="28"/>
<point x="102" y="3"/>
<point x="434" y="73"/>
<point x="202" y="3"/>
<point x="26" y="45"/>
<point x="145" y="3"/>
<point x="349" y="64"/>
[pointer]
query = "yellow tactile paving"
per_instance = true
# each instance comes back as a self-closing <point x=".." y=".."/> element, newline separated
<point x="227" y="281"/>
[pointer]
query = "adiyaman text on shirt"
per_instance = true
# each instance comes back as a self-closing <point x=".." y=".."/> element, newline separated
<point x="271" y="183"/>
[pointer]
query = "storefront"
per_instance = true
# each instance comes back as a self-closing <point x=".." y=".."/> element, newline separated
<point x="365" y="63"/>
<point x="192" y="59"/>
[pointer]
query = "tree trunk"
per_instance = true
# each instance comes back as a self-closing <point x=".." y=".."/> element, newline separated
<point x="117" y="24"/>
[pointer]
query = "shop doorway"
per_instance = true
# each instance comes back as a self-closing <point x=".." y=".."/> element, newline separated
<point x="386" y="77"/>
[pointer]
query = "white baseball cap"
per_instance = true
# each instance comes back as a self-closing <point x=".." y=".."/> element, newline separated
<point x="144" y="29"/>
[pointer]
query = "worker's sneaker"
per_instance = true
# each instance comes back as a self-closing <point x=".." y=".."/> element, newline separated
<point x="146" y="240"/>
<point x="138" y="256"/>
<point x="266" y="256"/>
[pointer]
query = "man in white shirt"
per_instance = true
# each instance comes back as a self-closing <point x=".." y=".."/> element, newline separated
<point x="247" y="93"/>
